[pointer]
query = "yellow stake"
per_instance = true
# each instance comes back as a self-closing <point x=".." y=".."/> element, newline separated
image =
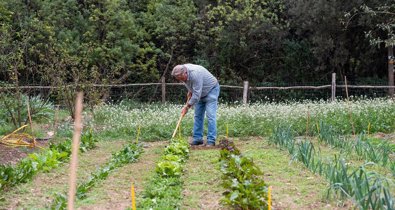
<point x="133" y="197"/>
<point x="269" y="198"/>
<point x="227" y="131"/>
<point x="138" y="134"/>
<point x="369" y="128"/>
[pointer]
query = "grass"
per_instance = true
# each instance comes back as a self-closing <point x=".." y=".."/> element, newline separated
<point x="202" y="179"/>
<point x="114" y="192"/>
<point x="294" y="186"/>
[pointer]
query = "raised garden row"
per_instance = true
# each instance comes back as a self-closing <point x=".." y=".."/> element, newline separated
<point x="367" y="189"/>
<point x="43" y="161"/>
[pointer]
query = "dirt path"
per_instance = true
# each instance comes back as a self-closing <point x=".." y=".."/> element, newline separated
<point x="294" y="186"/>
<point x="202" y="178"/>
<point x="39" y="192"/>
<point x="114" y="192"/>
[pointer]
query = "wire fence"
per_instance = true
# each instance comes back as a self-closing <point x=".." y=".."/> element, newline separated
<point x="176" y="92"/>
<point x="15" y="102"/>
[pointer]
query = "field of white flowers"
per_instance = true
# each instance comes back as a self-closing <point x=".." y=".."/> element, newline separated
<point x="158" y="121"/>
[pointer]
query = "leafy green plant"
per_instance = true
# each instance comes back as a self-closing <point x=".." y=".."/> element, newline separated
<point x="162" y="193"/>
<point x="43" y="161"/>
<point x="177" y="148"/>
<point x="168" y="168"/>
<point x="242" y="179"/>
<point x="60" y="202"/>
<point x="164" y="189"/>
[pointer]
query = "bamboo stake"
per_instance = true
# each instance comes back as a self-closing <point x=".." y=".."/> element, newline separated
<point x="74" y="151"/>
<point x="30" y="116"/>
<point x="349" y="107"/>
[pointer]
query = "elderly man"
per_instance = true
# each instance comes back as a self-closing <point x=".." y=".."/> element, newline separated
<point x="203" y="91"/>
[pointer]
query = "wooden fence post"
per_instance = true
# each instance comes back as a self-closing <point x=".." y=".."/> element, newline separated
<point x="333" y="94"/>
<point x="163" y="80"/>
<point x="245" y="92"/>
<point x="391" y="70"/>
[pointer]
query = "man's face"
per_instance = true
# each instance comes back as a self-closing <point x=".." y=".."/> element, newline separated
<point x="181" y="77"/>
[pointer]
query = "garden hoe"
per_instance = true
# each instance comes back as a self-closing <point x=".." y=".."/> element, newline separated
<point x="179" y="121"/>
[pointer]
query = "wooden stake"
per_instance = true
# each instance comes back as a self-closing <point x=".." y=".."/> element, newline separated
<point x="30" y="117"/>
<point x="74" y="150"/>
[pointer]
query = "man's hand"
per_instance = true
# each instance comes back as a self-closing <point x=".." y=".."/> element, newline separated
<point x="184" y="110"/>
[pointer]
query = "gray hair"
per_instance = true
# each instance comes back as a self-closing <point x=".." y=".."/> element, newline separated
<point x="177" y="70"/>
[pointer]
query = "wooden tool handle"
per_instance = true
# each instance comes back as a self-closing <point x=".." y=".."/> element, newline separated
<point x="178" y="125"/>
<point x="179" y="120"/>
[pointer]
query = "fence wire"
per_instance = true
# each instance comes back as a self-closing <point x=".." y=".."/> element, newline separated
<point x="176" y="93"/>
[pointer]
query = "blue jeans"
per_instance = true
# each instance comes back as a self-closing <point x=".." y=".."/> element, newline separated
<point x="208" y="105"/>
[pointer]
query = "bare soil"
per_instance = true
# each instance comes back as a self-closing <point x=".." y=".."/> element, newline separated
<point x="12" y="155"/>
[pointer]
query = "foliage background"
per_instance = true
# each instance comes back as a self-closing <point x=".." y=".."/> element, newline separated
<point x="56" y="42"/>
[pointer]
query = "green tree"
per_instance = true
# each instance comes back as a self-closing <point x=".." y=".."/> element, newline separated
<point x="170" y="24"/>
<point x="243" y="39"/>
<point x="384" y="30"/>
<point x="335" y="49"/>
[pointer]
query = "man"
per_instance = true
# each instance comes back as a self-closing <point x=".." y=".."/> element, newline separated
<point x="203" y="91"/>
